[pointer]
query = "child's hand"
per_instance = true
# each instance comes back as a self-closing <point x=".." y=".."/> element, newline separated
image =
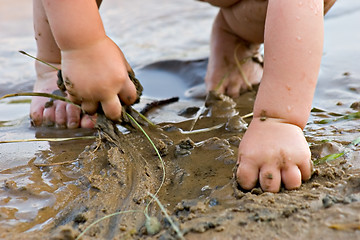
<point x="98" y="74"/>
<point x="273" y="152"/>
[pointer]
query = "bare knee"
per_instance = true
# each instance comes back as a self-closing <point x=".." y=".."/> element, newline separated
<point x="246" y="19"/>
<point x="221" y="3"/>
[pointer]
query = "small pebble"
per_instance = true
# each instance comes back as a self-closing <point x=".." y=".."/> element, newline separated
<point x="327" y="201"/>
<point x="219" y="228"/>
<point x="152" y="225"/>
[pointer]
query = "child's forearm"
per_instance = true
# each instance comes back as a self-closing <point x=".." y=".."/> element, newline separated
<point x="74" y="23"/>
<point x="293" y="49"/>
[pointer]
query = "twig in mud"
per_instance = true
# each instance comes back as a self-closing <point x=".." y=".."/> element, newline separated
<point x="345" y="226"/>
<point x="202" y="130"/>
<point x="149" y="106"/>
<point x="198" y="114"/>
<point x="98" y="143"/>
<point x="55" y="164"/>
<point x="191" y="131"/>
<point x="248" y="115"/>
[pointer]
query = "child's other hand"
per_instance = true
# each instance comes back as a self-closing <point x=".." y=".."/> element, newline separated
<point x="272" y="152"/>
<point x="98" y="73"/>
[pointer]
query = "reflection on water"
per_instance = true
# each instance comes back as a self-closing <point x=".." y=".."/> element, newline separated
<point x="29" y="193"/>
<point x="159" y="30"/>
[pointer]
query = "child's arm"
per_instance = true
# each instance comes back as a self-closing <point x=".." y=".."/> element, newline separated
<point x="94" y="68"/>
<point x="293" y="49"/>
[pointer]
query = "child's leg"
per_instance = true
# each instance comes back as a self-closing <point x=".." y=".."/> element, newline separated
<point x="293" y="48"/>
<point x="60" y="113"/>
<point x="231" y="69"/>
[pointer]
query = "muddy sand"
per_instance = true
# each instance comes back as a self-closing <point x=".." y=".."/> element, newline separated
<point x="56" y="190"/>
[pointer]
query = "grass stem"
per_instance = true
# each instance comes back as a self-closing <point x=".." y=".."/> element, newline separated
<point x="37" y="59"/>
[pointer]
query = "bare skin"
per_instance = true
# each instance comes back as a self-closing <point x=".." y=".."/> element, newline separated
<point x="94" y="69"/>
<point x="223" y="73"/>
<point x="288" y="29"/>
<point x="95" y="72"/>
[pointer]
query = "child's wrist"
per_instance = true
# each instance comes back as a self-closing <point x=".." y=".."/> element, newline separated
<point x="42" y="68"/>
<point x="297" y="120"/>
<point x="83" y="43"/>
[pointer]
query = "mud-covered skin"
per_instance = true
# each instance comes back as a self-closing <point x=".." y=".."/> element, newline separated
<point x="138" y="86"/>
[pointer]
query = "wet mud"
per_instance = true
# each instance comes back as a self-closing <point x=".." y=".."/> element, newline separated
<point x="118" y="170"/>
<point x="56" y="190"/>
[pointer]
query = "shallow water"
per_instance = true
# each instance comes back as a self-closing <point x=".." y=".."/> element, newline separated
<point x="166" y="49"/>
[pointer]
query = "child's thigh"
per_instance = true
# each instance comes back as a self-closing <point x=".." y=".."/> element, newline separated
<point x="246" y="19"/>
<point x="229" y="3"/>
<point x="221" y="3"/>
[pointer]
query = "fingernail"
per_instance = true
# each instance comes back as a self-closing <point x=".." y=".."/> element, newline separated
<point x="49" y="123"/>
<point x="72" y="125"/>
<point x="60" y="126"/>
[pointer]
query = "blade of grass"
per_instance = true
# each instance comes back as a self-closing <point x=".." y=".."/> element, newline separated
<point x="329" y="157"/>
<point x="38" y="94"/>
<point x="334" y="156"/>
<point x="103" y="218"/>
<point x="159" y="156"/>
<point x="49" y="139"/>
<point x="37" y="59"/>
<point x="177" y="230"/>
<point x="351" y="116"/>
<point x="153" y="196"/>
<point x="355" y="142"/>
<point x="143" y="117"/>
<point x="241" y="71"/>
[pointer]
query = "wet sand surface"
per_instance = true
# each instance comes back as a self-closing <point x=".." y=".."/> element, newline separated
<point x="55" y="190"/>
